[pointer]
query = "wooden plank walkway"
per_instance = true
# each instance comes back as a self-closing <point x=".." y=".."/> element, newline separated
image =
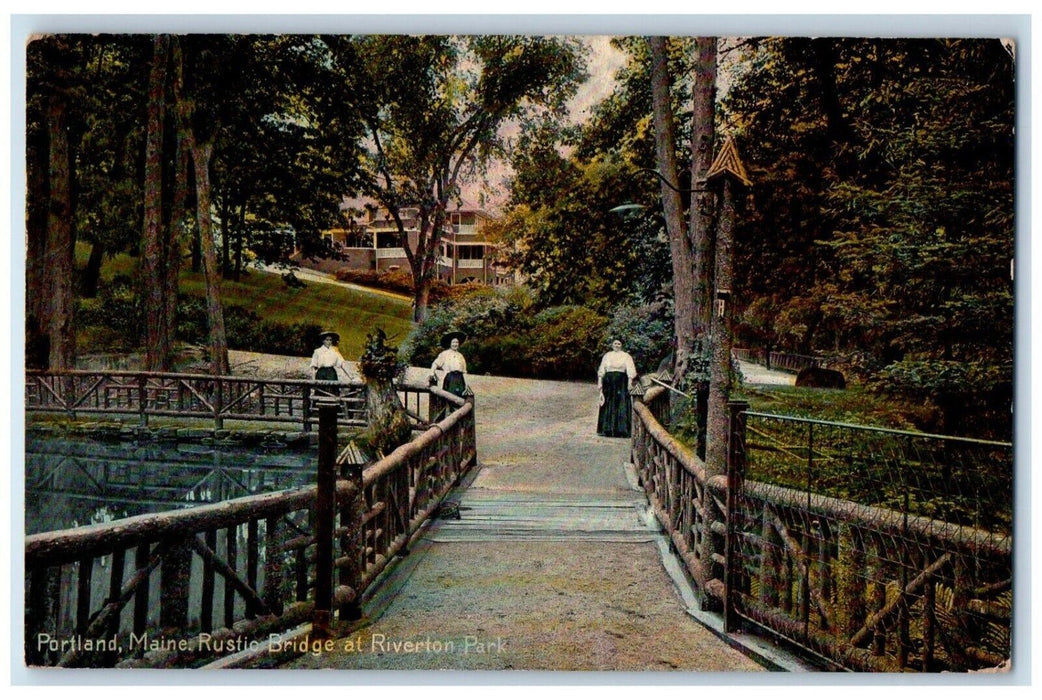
<point x="553" y="564"/>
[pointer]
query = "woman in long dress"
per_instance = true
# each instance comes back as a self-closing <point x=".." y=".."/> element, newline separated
<point x="614" y="377"/>
<point x="451" y="362"/>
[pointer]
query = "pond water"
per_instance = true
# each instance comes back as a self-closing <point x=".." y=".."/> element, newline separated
<point x="70" y="482"/>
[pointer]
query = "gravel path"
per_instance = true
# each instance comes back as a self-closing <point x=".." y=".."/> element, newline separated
<point x="552" y="566"/>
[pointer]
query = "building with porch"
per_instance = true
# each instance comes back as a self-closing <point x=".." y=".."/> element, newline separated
<point x="370" y="242"/>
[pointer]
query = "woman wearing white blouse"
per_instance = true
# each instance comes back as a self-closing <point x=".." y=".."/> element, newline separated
<point x="614" y="377"/>
<point x="327" y="359"/>
<point x="452" y="363"/>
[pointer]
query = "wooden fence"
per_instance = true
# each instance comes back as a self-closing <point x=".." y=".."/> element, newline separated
<point x="863" y="587"/>
<point x="788" y="361"/>
<point x="177" y="588"/>
<point x="196" y="396"/>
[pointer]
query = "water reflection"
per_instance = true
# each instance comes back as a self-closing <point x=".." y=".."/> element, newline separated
<point x="71" y="482"/>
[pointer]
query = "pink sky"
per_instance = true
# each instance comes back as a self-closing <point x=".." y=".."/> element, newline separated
<point x="603" y="62"/>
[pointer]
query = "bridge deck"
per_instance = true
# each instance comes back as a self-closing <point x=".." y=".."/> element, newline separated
<point x="553" y="564"/>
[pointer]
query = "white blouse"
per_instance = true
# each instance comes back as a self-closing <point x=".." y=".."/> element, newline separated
<point x="328" y="357"/>
<point x="616" y="361"/>
<point x="450" y="361"/>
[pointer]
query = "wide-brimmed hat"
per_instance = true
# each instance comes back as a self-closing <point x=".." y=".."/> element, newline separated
<point x="446" y="340"/>
<point x="329" y="334"/>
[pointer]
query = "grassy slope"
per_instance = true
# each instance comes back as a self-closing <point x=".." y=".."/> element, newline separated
<point x="349" y="312"/>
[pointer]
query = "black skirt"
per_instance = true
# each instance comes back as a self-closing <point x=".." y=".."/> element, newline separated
<point x="454" y="384"/>
<point x="613" y="418"/>
<point x="328" y="374"/>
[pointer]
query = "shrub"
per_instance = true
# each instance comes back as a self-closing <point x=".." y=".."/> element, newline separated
<point x="646" y="333"/>
<point x="115" y="316"/>
<point x="399" y="281"/>
<point x="506" y="337"/>
<point x="246" y="330"/>
<point x="567" y="342"/>
<point x="482" y="314"/>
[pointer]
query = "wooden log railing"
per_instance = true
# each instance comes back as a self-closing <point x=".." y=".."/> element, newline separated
<point x="92" y="592"/>
<point x="675" y="481"/>
<point x="174" y="588"/>
<point x="863" y="587"/>
<point x="198" y="396"/>
<point x="869" y="587"/>
<point x="792" y="362"/>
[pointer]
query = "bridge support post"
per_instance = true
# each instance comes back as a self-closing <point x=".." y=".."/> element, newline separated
<point x="325" y="510"/>
<point x="733" y="574"/>
<point x="352" y="543"/>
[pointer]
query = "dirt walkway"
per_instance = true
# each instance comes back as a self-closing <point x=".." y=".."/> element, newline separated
<point x="552" y="566"/>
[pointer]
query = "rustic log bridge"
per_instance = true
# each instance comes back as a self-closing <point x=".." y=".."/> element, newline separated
<point x="213" y="398"/>
<point x="395" y="496"/>
<point x="815" y="569"/>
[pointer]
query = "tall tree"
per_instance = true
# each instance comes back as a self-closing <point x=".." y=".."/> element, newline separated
<point x="684" y="283"/>
<point x="201" y="149"/>
<point x="434" y="114"/>
<point x="558" y="220"/>
<point x="54" y="82"/>
<point x="703" y="206"/>
<point x="885" y="238"/>
<point x="158" y="335"/>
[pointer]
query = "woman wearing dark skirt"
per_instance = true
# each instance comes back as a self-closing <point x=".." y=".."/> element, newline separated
<point x="327" y="359"/>
<point x="451" y="362"/>
<point x="614" y="378"/>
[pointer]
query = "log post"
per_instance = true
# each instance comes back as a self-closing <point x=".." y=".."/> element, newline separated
<point x="175" y="574"/>
<point x="206" y="604"/>
<point x="42" y="603"/>
<point x="735" y="478"/>
<point x="850" y="607"/>
<point x="218" y="404"/>
<point x="772" y="561"/>
<point x="325" y="508"/>
<point x="142" y="400"/>
<point x="141" y="558"/>
<point x="83" y="589"/>
<point x="352" y="514"/>
<point x="273" y="564"/>
<point x="252" y="561"/>
<point x="470" y="433"/>
<point x="231" y="542"/>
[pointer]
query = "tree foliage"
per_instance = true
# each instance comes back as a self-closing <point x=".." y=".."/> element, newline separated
<point x="883" y="221"/>
<point x="434" y="107"/>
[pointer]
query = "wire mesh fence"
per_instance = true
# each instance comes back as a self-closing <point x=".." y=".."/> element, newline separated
<point x="876" y="549"/>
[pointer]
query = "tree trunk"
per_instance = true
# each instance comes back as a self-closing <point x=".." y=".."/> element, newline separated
<point x="672" y="208"/>
<point x="720" y="383"/>
<point x="388" y="424"/>
<point x="178" y="226"/>
<point x="157" y="337"/>
<point x="37" y="312"/>
<point x="215" y="313"/>
<point x="91" y="276"/>
<point x="703" y="130"/>
<point x="60" y="244"/>
<point x="201" y="154"/>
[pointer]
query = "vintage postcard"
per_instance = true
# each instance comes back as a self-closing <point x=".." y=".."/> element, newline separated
<point x="489" y="349"/>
